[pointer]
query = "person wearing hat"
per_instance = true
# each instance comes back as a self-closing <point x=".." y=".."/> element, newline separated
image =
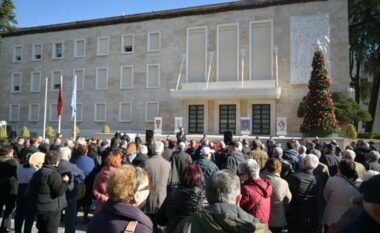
<point x="208" y="167"/>
<point x="234" y="157"/>
<point x="330" y="159"/>
<point x="369" y="220"/>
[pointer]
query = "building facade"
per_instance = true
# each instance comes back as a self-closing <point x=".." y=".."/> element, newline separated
<point x="210" y="65"/>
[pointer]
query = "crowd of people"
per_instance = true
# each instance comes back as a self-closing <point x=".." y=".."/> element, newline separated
<point x="178" y="185"/>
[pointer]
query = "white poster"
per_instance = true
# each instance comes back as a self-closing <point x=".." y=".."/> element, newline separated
<point x="178" y="122"/>
<point x="245" y="126"/>
<point x="281" y="126"/>
<point x="158" y="125"/>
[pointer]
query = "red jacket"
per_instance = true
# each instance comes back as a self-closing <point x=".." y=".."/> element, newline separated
<point x="255" y="199"/>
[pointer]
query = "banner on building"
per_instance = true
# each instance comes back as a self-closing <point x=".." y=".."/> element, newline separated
<point x="158" y="125"/>
<point x="281" y="126"/>
<point x="245" y="126"/>
<point x="178" y="122"/>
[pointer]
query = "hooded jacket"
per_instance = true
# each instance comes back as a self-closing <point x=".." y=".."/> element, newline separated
<point x="114" y="217"/>
<point x="255" y="199"/>
<point x="220" y="218"/>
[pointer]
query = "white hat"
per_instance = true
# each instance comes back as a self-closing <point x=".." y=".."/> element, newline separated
<point x="206" y="150"/>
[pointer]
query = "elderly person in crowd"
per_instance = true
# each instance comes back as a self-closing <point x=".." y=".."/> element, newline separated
<point x="76" y="176"/>
<point x="127" y="188"/>
<point x="339" y="191"/>
<point x="208" y="167"/>
<point x="257" y="154"/>
<point x="255" y="191"/>
<point x="142" y="156"/>
<point x="373" y="161"/>
<point x="350" y="155"/>
<point x="330" y="159"/>
<point x="99" y="189"/>
<point x="302" y="211"/>
<point x="223" y="214"/>
<point x="286" y="167"/>
<point x="281" y="195"/>
<point x="182" y="201"/>
<point x="179" y="160"/>
<point x="234" y="157"/>
<point x="159" y="170"/>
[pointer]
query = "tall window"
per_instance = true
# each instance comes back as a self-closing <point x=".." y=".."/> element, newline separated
<point x="16" y="83"/>
<point x="37" y="52"/>
<point x="101" y="78"/>
<point x="14" y="112"/>
<point x="196" y="54"/>
<point x="196" y="119"/>
<point x="261" y="119"/>
<point x="227" y="118"/>
<point x="35" y="81"/>
<point x="57" y="50"/>
<point x="80" y="73"/>
<point x="17" y="53"/>
<point x="153" y="76"/>
<point x="102" y="46"/>
<point x="100" y="112"/>
<point x="55" y="80"/>
<point x="34" y="112"/>
<point x="228" y="52"/>
<point x="151" y="110"/>
<point x="154" y="41"/>
<point x="125" y="111"/>
<point x="261" y="51"/>
<point x="127" y="43"/>
<point x="126" y="77"/>
<point x="80" y="48"/>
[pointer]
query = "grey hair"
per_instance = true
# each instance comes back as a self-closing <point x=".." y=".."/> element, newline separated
<point x="373" y="156"/>
<point x="181" y="146"/>
<point x="65" y="152"/>
<point x="240" y="147"/>
<point x="310" y="161"/>
<point x="316" y="152"/>
<point x="349" y="154"/>
<point x="143" y="149"/>
<point x="302" y="150"/>
<point x="249" y="167"/>
<point x="157" y="147"/>
<point x="222" y="187"/>
<point x="277" y="152"/>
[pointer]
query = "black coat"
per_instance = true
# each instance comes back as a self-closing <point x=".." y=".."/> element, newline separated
<point x="46" y="190"/>
<point x="25" y="151"/>
<point x="181" y="137"/>
<point x="8" y="176"/>
<point x="233" y="161"/>
<point x="114" y="217"/>
<point x="332" y="162"/>
<point x="179" y="160"/>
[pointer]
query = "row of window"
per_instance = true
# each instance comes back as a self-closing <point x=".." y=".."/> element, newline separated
<point x="101" y="79"/>
<point x="100" y="112"/>
<point x="102" y="48"/>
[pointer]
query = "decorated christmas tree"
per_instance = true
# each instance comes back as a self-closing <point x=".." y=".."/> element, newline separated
<point x="319" y="119"/>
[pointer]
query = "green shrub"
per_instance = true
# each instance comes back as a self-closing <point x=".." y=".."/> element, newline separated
<point x="106" y="129"/>
<point x="50" y="132"/>
<point x="77" y="131"/>
<point x="3" y="134"/>
<point x="351" y="132"/>
<point x="25" y="132"/>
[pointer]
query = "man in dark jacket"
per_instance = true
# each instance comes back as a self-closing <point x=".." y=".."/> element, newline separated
<point x="291" y="155"/>
<point x="46" y="193"/>
<point x="8" y="185"/>
<point x="28" y="150"/>
<point x="181" y="136"/>
<point x="179" y="160"/>
<point x="18" y="146"/>
<point x="234" y="157"/>
<point x="329" y="158"/>
<point x="223" y="213"/>
<point x="208" y="167"/>
<point x="303" y="209"/>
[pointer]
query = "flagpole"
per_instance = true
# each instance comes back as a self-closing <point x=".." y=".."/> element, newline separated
<point x="60" y="115"/>
<point x="75" y="112"/>
<point x="46" y="89"/>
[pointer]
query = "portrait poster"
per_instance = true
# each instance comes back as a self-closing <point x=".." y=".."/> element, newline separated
<point x="245" y="126"/>
<point x="281" y="126"/>
<point x="157" y="125"/>
<point x="178" y="122"/>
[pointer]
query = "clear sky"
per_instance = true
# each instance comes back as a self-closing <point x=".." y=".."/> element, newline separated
<point x="31" y="13"/>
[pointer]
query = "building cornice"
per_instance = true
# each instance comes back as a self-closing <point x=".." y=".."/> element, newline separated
<point x="191" y="11"/>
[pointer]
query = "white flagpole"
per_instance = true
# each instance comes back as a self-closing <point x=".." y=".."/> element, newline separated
<point x="75" y="112"/>
<point x="60" y="115"/>
<point x="46" y="90"/>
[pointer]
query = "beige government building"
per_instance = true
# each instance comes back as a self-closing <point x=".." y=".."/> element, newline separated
<point x="210" y="65"/>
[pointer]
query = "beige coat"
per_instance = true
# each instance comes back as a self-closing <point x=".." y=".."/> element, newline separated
<point x="338" y="194"/>
<point x="158" y="170"/>
<point x="280" y="196"/>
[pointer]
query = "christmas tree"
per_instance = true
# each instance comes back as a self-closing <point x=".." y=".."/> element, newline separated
<point x="319" y="119"/>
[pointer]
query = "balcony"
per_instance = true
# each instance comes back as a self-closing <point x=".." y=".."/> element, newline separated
<point x="259" y="89"/>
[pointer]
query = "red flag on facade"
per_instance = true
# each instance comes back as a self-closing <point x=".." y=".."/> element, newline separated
<point x="60" y="101"/>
